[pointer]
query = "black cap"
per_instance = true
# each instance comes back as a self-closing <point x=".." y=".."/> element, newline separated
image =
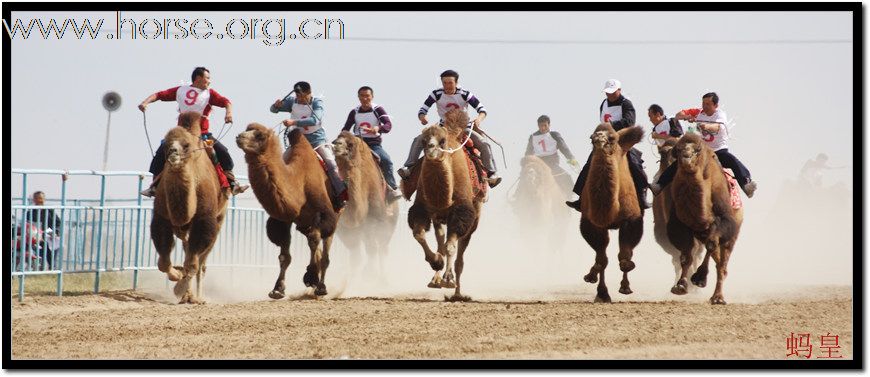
<point x="301" y="87"/>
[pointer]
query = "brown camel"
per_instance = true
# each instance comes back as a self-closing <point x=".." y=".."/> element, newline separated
<point x="610" y="202"/>
<point x="538" y="203"/>
<point x="367" y="219"/>
<point x="295" y="192"/>
<point x="703" y="213"/>
<point x="446" y="196"/>
<point x="661" y="211"/>
<point x="189" y="204"/>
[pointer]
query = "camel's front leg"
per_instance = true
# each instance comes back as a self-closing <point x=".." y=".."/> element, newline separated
<point x="682" y="237"/>
<point x="164" y="242"/>
<point x="278" y="233"/>
<point x="598" y="239"/>
<point x="440" y="238"/>
<point x="721" y="257"/>
<point x="629" y="236"/>
<point x="699" y="278"/>
<point x="448" y="280"/>
<point x="418" y="220"/>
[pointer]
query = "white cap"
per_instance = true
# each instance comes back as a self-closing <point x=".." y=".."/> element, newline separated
<point x="612" y="85"/>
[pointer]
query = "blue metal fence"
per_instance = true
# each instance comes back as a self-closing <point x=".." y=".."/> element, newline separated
<point x="99" y="235"/>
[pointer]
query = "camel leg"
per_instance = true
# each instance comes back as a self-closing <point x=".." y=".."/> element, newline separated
<point x="682" y="237"/>
<point x="699" y="278"/>
<point x="164" y="242"/>
<point x="598" y="239"/>
<point x="629" y="236"/>
<point x="202" y="235"/>
<point x="311" y="272"/>
<point x="720" y="256"/>
<point x="278" y="233"/>
<point x="448" y="280"/>
<point x="419" y="221"/>
<point x="322" y="265"/>
<point x="460" y="264"/>
<point x="440" y="238"/>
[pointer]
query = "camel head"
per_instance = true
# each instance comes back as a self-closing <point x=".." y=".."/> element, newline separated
<point x="665" y="150"/>
<point x="434" y="140"/>
<point x="181" y="145"/>
<point x="605" y="139"/>
<point x="533" y="170"/>
<point x="346" y="146"/>
<point x="455" y="121"/>
<point x="690" y="153"/>
<point x="256" y="139"/>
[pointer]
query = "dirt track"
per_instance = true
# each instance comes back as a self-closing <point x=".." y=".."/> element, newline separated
<point x="130" y="324"/>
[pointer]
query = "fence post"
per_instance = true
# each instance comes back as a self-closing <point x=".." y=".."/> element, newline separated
<point x="138" y="232"/>
<point x="100" y="231"/>
<point x="22" y="239"/>
<point x="59" y="259"/>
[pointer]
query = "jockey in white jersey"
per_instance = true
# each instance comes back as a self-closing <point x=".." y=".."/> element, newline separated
<point x="449" y="97"/>
<point x="715" y="135"/>
<point x="199" y="98"/>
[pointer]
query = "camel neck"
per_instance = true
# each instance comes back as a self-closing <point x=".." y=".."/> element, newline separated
<point x="437" y="179"/>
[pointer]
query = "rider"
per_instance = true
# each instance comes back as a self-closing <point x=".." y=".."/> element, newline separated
<point x="369" y="121"/>
<point x="714" y="134"/>
<point x="451" y="96"/>
<point x="306" y="113"/>
<point x="545" y="144"/>
<point x="619" y="112"/>
<point x="199" y="98"/>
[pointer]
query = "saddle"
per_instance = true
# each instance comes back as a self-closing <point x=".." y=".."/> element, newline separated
<point x="222" y="177"/>
<point x="733" y="189"/>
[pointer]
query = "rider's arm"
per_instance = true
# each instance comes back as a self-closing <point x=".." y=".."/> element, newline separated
<point x="530" y="149"/>
<point x="384" y="118"/>
<point x="350" y="121"/>
<point x="316" y="114"/>
<point x="215" y="99"/>
<point x="285" y="105"/>
<point x="687" y="114"/>
<point x="627" y="116"/>
<point x="427" y="104"/>
<point x="676" y="128"/>
<point x="562" y="145"/>
<point x="163" y="95"/>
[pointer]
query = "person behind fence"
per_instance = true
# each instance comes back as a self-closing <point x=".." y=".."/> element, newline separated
<point x="452" y="96"/>
<point x="200" y="98"/>
<point x="48" y="223"/>
<point x="306" y="114"/>
<point x="546" y="144"/>
<point x="369" y="121"/>
<point x="619" y="112"/>
<point x="714" y="135"/>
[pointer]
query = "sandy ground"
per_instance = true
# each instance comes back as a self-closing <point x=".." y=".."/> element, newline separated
<point x="128" y="324"/>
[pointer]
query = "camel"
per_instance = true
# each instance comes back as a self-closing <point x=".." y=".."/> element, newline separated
<point x="295" y="192"/>
<point x="189" y="204"/>
<point x="446" y="196"/>
<point x="538" y="202"/>
<point x="610" y="202"/>
<point x="704" y="213"/>
<point x="662" y="209"/>
<point x="367" y="219"/>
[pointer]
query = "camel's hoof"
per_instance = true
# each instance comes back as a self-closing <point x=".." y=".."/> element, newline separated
<point x="433" y="284"/>
<point x="437" y="265"/>
<point x="699" y="280"/>
<point x="320" y="290"/>
<point x="457" y="298"/>
<point x="448" y="284"/>
<point x="591" y="278"/>
<point x="626" y="265"/>
<point x="625" y="290"/>
<point x="310" y="278"/>
<point x="604" y="299"/>
<point x="187" y="298"/>
<point x="679" y="289"/>
<point x="717" y="300"/>
<point x="276" y="295"/>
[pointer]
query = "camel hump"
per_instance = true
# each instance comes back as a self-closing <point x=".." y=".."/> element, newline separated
<point x="190" y="121"/>
<point x="630" y="136"/>
<point x="295" y="137"/>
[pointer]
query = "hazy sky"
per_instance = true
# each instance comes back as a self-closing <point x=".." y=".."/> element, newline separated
<point x="781" y="95"/>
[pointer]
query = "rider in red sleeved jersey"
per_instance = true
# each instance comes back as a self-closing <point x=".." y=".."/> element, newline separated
<point x="197" y="97"/>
